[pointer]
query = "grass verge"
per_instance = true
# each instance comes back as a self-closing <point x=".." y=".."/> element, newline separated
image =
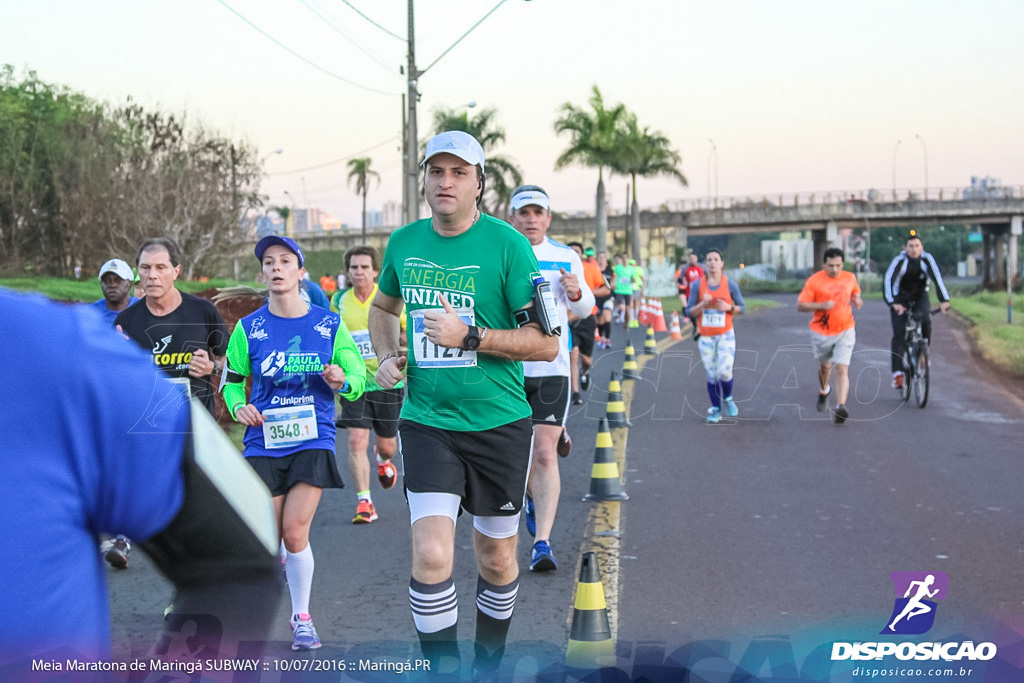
<point x="1000" y="343"/>
<point x="62" y="289"/>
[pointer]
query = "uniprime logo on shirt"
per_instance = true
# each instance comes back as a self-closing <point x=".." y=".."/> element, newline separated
<point x="913" y="613"/>
<point x="916" y="593"/>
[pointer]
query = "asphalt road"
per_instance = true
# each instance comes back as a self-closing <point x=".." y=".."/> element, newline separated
<point x="745" y="546"/>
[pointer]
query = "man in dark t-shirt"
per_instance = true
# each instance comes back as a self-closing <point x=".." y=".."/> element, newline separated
<point x="185" y="334"/>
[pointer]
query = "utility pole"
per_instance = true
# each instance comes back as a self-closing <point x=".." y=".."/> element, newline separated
<point x="411" y="179"/>
<point x="411" y="199"/>
<point x="234" y="186"/>
<point x="405" y="161"/>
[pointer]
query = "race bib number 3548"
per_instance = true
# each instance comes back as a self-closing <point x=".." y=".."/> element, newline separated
<point x="285" y="427"/>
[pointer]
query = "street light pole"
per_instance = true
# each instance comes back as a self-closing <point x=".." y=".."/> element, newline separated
<point x="894" y="150"/>
<point x="924" y="148"/>
<point x="279" y="150"/>
<point x="289" y="228"/>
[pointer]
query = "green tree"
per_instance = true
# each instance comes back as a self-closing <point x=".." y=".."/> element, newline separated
<point x="81" y="181"/>
<point x="503" y="174"/>
<point x="359" y="175"/>
<point x="57" y="154"/>
<point x="644" y="153"/>
<point x="594" y="141"/>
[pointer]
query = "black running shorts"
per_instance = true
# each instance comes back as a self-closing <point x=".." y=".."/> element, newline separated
<point x="316" y="467"/>
<point x="377" y="410"/>
<point x="548" y="398"/>
<point x="583" y="334"/>
<point x="486" y="469"/>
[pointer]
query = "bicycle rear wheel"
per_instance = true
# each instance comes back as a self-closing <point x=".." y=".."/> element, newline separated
<point x="922" y="374"/>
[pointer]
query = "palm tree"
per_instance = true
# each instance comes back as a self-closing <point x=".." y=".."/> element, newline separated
<point x="644" y="153"/>
<point x="594" y="141"/>
<point x="503" y="175"/>
<point x="359" y="170"/>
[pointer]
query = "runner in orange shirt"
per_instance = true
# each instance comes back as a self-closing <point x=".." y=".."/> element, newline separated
<point x="831" y="294"/>
<point x="328" y="284"/>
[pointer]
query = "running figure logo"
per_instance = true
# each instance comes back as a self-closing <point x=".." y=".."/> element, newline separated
<point x="914" y="612"/>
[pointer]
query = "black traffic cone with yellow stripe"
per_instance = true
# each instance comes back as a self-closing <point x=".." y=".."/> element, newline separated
<point x="650" y="343"/>
<point x="590" y="637"/>
<point x="616" y="411"/>
<point x="604" y="475"/>
<point x="630" y="370"/>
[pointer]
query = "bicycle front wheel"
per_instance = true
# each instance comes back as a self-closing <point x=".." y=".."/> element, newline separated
<point x="922" y="374"/>
<point x="908" y="375"/>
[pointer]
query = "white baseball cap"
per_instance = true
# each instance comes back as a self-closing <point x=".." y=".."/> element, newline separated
<point x="118" y="268"/>
<point x="529" y="195"/>
<point x="463" y="145"/>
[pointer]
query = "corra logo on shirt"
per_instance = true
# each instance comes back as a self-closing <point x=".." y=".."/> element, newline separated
<point x="162" y="344"/>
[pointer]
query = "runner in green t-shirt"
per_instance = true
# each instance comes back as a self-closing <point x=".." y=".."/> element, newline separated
<point x="465" y="428"/>
<point x="637" y="274"/>
<point x="623" y="291"/>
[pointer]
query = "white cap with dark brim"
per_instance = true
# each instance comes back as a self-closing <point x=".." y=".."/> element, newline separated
<point x="528" y="198"/>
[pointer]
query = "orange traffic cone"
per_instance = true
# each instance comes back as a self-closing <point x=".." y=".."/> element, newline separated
<point x="644" y="313"/>
<point x="657" y="316"/>
<point x="590" y="637"/>
<point x="674" y="331"/>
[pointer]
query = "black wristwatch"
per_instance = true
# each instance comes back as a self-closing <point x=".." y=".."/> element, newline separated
<point x="472" y="339"/>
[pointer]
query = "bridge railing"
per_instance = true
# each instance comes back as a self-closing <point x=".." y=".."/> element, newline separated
<point x="838" y="197"/>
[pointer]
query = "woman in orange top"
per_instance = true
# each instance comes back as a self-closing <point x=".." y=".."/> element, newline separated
<point x="714" y="303"/>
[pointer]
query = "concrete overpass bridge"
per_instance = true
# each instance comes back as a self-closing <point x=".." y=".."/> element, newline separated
<point x="824" y="215"/>
<point x="997" y="211"/>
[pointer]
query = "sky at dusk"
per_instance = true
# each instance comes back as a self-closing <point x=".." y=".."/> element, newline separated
<point x="798" y="96"/>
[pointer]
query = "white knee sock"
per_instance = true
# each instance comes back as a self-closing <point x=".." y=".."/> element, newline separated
<point x="299" y="568"/>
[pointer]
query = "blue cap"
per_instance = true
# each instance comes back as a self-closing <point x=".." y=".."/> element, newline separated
<point x="286" y="242"/>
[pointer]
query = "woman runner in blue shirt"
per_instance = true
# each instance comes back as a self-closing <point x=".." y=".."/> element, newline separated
<point x="298" y="355"/>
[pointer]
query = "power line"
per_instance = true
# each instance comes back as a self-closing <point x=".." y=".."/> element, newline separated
<point x="296" y="54"/>
<point x="336" y="161"/>
<point x="394" y="35"/>
<point x="328" y="20"/>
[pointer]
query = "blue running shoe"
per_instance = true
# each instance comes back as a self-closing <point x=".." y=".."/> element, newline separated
<point x="531" y="517"/>
<point x="542" y="559"/>
<point x="731" y="409"/>
<point x="714" y="415"/>
<point x="304" y="635"/>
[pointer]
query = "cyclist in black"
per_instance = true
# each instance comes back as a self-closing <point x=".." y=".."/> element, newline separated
<point x="906" y="288"/>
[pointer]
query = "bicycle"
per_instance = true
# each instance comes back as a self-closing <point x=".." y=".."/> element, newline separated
<point x="916" y="361"/>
